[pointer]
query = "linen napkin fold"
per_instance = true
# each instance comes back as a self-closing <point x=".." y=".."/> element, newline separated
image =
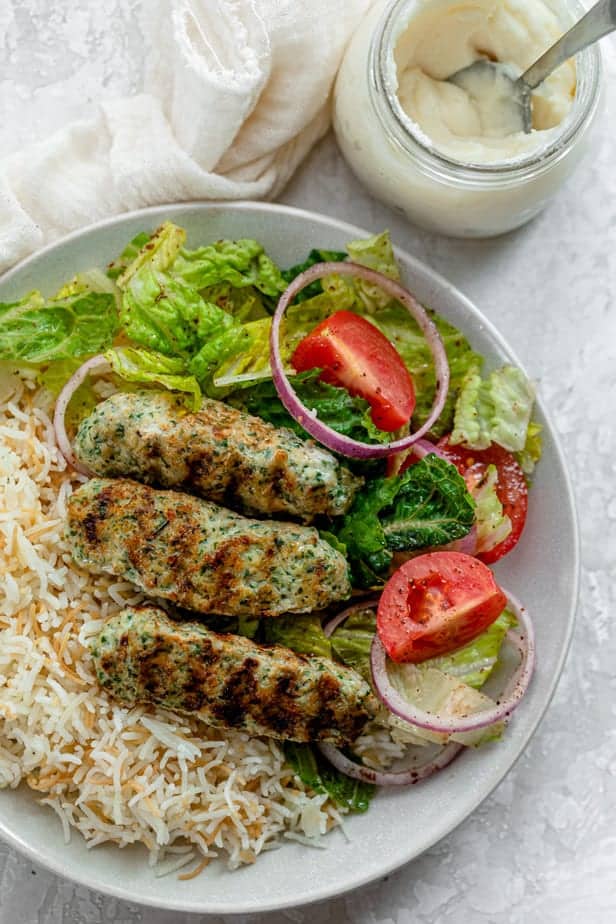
<point x="235" y="94"/>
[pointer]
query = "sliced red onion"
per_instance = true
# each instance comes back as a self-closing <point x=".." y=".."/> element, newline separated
<point x="304" y="416"/>
<point x="509" y="699"/>
<point x="389" y="777"/>
<point x="422" y="448"/>
<point x="333" y="624"/>
<point x="95" y="364"/>
<point x="467" y="544"/>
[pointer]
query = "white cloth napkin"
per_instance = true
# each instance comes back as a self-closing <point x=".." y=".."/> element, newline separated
<point x="235" y="94"/>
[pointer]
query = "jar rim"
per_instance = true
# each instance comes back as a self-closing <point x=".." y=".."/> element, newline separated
<point x="435" y="161"/>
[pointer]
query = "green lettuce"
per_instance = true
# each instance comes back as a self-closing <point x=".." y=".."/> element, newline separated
<point x="36" y="330"/>
<point x="429" y="505"/>
<point x="315" y="256"/>
<point x="530" y="455"/>
<point x="92" y="280"/>
<point x="493" y="410"/>
<point x="351" y="642"/>
<point x="376" y="253"/>
<point x="166" y="315"/>
<point x="144" y="367"/>
<point x="334" y="406"/>
<point x="225" y="339"/>
<point x="322" y="777"/>
<point x="396" y="324"/>
<point x="493" y="526"/>
<point x="117" y="266"/>
<point x="301" y="633"/>
<point x="474" y="663"/>
<point x="240" y="263"/>
<point x="433" y="690"/>
<point x="245" y="304"/>
<point x="158" y="252"/>
<point x="252" y="364"/>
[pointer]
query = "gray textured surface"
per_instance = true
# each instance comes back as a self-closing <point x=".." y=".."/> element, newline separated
<point x="543" y="846"/>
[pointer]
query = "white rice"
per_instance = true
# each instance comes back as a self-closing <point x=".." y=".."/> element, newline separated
<point x="187" y="792"/>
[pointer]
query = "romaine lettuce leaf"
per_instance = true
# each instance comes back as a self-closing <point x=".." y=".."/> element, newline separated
<point x="245" y="304"/>
<point x="396" y="324"/>
<point x="315" y="256"/>
<point x="474" y="663"/>
<point x="92" y="280"/>
<point x="225" y="339"/>
<point x="351" y="642"/>
<point x="334" y="406"/>
<point x="530" y="455"/>
<point x="493" y="410"/>
<point x="144" y="367"/>
<point x="376" y="253"/>
<point x="252" y="364"/>
<point x="302" y="634"/>
<point x="158" y="253"/>
<point x="493" y="526"/>
<point x="442" y="694"/>
<point x="164" y="314"/>
<point x="117" y="266"/>
<point x="429" y="505"/>
<point x="322" y="777"/>
<point x="240" y="263"/>
<point x="38" y="331"/>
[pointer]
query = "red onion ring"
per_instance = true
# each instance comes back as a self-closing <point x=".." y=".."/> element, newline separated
<point x="95" y="364"/>
<point x="509" y="699"/>
<point x="316" y="428"/>
<point x="333" y="624"/>
<point x="389" y="777"/>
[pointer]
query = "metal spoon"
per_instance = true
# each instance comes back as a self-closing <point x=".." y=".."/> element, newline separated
<point x="510" y="98"/>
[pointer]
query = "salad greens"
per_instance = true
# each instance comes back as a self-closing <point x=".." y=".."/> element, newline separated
<point x="37" y="330"/>
<point x="493" y="525"/>
<point x="344" y="412"/>
<point x="493" y="410"/>
<point x="302" y="633"/>
<point x="531" y="453"/>
<point x="135" y="365"/>
<point x="315" y="256"/>
<point x="319" y="774"/>
<point x="474" y="663"/>
<point x="429" y="505"/>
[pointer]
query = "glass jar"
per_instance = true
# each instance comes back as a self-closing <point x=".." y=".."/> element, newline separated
<point x="433" y="190"/>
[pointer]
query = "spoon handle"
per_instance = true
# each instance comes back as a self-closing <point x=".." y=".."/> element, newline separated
<point x="598" y="21"/>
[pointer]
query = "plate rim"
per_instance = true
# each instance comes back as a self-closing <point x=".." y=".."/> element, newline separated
<point x="359" y="879"/>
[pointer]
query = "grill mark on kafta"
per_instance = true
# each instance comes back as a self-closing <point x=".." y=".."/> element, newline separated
<point x="201" y="556"/>
<point x="143" y="656"/>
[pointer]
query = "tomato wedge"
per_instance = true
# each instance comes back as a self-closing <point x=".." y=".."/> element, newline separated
<point x="436" y="603"/>
<point x="353" y="353"/>
<point x="511" y="487"/>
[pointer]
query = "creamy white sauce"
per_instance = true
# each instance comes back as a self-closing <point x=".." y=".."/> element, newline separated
<point x="441" y="37"/>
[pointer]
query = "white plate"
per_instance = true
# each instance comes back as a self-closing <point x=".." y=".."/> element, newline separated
<point x="542" y="571"/>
